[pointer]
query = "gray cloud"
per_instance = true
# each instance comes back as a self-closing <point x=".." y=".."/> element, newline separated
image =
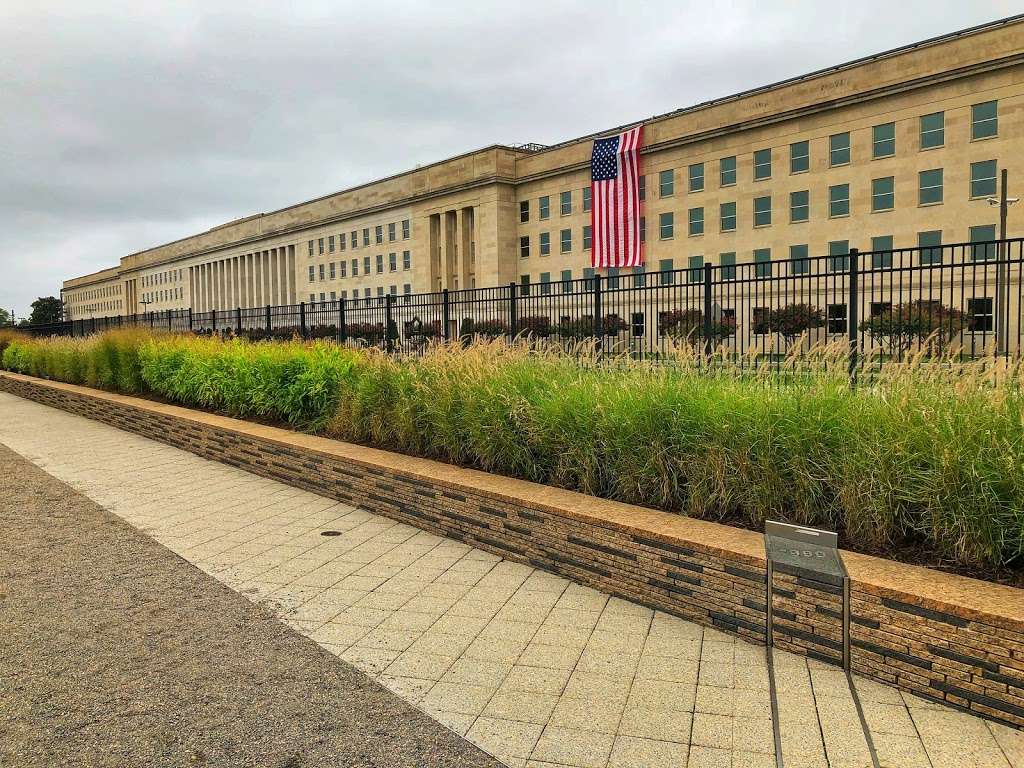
<point x="130" y="124"/>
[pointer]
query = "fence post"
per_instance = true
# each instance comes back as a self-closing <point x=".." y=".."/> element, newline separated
<point x="513" y="310"/>
<point x="151" y="313"/>
<point x="389" y="340"/>
<point x="854" y="300"/>
<point x="269" y="324"/>
<point x="213" y="320"/>
<point x="302" y="319"/>
<point x="342" y="333"/>
<point x="708" y="325"/>
<point x="190" y="326"/>
<point x="446" y="311"/>
<point x="238" y="320"/>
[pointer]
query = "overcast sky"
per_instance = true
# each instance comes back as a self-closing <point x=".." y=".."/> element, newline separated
<point x="128" y="124"/>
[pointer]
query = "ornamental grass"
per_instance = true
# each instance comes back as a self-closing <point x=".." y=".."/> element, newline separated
<point x="926" y="456"/>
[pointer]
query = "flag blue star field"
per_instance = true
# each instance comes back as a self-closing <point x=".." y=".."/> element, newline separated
<point x="615" y="200"/>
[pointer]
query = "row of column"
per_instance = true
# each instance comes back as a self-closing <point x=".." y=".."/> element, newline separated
<point x="250" y="280"/>
<point x="452" y="235"/>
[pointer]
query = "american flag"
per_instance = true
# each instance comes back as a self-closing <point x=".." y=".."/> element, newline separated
<point x="615" y="204"/>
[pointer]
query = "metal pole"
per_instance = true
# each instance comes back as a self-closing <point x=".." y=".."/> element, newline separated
<point x="342" y="334"/>
<point x="190" y="326"/>
<point x="302" y="319"/>
<point x="851" y="314"/>
<point x="1002" y="278"/>
<point x="708" y="345"/>
<point x="269" y="326"/>
<point x="388" y="322"/>
<point x="446" y="310"/>
<point x="513" y="310"/>
<point x="238" y="320"/>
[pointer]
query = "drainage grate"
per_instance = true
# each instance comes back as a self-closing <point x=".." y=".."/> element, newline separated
<point x="330" y="533"/>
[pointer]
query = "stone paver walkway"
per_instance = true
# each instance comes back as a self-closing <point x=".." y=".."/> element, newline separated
<point x="534" y="669"/>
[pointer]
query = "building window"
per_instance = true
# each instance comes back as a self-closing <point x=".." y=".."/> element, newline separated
<point x="588" y="237"/>
<point x="666" y="183"/>
<point x="565" y="240"/>
<point x="727" y="216"/>
<point x="380" y="290"/>
<point x="666" y="225"/>
<point x="613" y="277"/>
<point x="524" y="211"/>
<point x="839" y="200"/>
<point x="366" y="236"/>
<point x="380" y="263"/>
<point x="312" y="273"/>
<point x="697" y="177"/>
<point x="839" y="256"/>
<point x="378" y="234"/>
<point x="320" y="246"/>
<point x="355" y="267"/>
<point x="565" y="203"/>
<point x="544" y="204"/>
<point x="762" y="262"/>
<point x="566" y="281"/>
<point x="883" y="140"/>
<point x="321" y="270"/>
<point x="983" y="178"/>
<point x="545" y="283"/>
<point x="665" y="274"/>
<point x="839" y="149"/>
<point x="930" y="244"/>
<point x="883" y="196"/>
<point x="837" y="318"/>
<point x="312" y="298"/>
<point x="643" y="187"/>
<point x="342" y="268"/>
<point x="727" y="261"/>
<point x="334" y="296"/>
<point x="353" y="240"/>
<point x="762" y="164"/>
<point x="406" y="260"/>
<point x="799" y="263"/>
<point x="799" y="157"/>
<point x="799" y="206"/>
<point x="643" y="229"/>
<point x="979" y="314"/>
<point x="545" y="243"/>
<point x="762" y="211"/>
<point x="727" y="171"/>
<point x="982" y="247"/>
<point x="366" y="265"/>
<point x="933" y="130"/>
<point x="330" y="244"/>
<point x="333" y="271"/>
<point x="929" y="187"/>
<point x="695" y="270"/>
<point x="759" y="320"/>
<point x="310" y="253"/>
<point x="392" y="232"/>
<point x="586" y="198"/>
<point x="405" y="229"/>
<point x="639" y="277"/>
<point x="392" y="262"/>
<point x="984" y="120"/>
<point x="341" y="242"/>
<point x="696" y="218"/>
<point x="636" y="322"/>
<point x="881" y="252"/>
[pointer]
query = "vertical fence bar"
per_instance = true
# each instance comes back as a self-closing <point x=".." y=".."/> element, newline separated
<point x="389" y="324"/>
<point x="708" y="341"/>
<point x="446" y="316"/>
<point x="302" y="319"/>
<point x="269" y="323"/>
<point x="342" y="333"/>
<point x="213" y="320"/>
<point x="238" y="320"/>
<point x="852" y="314"/>
<point x="190" y="326"/>
<point x="513" y="310"/>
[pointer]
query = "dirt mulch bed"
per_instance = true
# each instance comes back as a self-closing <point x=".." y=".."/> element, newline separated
<point x="116" y="652"/>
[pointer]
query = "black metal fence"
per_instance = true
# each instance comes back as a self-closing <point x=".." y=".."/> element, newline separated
<point x="962" y="300"/>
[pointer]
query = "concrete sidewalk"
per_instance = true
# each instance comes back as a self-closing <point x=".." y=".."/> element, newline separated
<point x="534" y="669"/>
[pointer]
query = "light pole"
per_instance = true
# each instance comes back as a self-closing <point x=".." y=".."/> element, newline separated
<point x="1002" y="272"/>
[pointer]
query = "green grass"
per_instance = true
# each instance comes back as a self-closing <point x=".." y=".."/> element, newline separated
<point x="925" y="456"/>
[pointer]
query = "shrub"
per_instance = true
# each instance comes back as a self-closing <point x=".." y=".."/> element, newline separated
<point x="794" y="320"/>
<point x="919" y="322"/>
<point x="688" y="324"/>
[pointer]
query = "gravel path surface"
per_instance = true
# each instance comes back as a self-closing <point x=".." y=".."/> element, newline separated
<point x="116" y="652"/>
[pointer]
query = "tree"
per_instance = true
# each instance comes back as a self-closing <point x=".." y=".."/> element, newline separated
<point x="5" y="317"/>
<point x="914" y="323"/>
<point x="46" y="310"/>
<point x="794" y="320"/>
<point x="688" y="324"/>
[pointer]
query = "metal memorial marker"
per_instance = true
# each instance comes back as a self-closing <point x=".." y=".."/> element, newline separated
<point x="809" y="553"/>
